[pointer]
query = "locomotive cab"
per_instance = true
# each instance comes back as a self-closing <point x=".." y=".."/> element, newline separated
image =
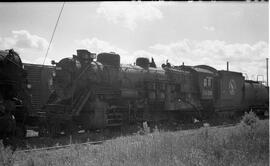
<point x="204" y="77"/>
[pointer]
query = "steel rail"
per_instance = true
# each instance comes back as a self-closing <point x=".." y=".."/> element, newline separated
<point x="58" y="147"/>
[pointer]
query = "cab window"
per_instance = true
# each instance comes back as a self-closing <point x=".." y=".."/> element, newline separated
<point x="207" y="82"/>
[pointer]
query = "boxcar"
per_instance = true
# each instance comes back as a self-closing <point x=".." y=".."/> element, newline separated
<point x="40" y="79"/>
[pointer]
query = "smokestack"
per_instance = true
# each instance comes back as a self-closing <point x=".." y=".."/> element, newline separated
<point x="267" y="72"/>
<point x="227" y="66"/>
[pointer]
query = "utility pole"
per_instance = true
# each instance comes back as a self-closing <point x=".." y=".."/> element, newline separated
<point x="267" y="72"/>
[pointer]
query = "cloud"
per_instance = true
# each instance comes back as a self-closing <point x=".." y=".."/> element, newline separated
<point x="245" y="58"/>
<point x="22" y="39"/>
<point x="96" y="45"/>
<point x="31" y="47"/>
<point x="41" y="59"/>
<point x="235" y="14"/>
<point x="37" y="60"/>
<point x="242" y="57"/>
<point x="209" y="28"/>
<point x="129" y="13"/>
<point x="141" y="53"/>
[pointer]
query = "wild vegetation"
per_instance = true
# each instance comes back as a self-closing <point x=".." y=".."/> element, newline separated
<point x="244" y="144"/>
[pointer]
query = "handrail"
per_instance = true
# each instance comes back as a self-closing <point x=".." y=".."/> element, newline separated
<point x="81" y="103"/>
<point x="75" y="82"/>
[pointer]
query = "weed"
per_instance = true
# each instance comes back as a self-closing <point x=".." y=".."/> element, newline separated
<point x="6" y="155"/>
<point x="250" y="119"/>
<point x="205" y="147"/>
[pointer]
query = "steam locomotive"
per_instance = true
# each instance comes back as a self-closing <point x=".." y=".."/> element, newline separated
<point x="93" y="92"/>
<point x="14" y="96"/>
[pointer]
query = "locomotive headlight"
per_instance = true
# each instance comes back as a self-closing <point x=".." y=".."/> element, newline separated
<point x="29" y="86"/>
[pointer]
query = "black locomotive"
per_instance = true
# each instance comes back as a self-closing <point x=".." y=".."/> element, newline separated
<point x="14" y="96"/>
<point x="92" y="92"/>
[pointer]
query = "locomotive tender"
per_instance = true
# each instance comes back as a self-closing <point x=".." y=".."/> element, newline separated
<point x="92" y="94"/>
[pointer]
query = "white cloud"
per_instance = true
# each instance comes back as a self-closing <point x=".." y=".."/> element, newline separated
<point x="96" y="45"/>
<point x="245" y="58"/>
<point x="37" y="60"/>
<point x="129" y="13"/>
<point x="236" y="14"/>
<point x="141" y="53"/>
<point x="41" y="59"/>
<point x="242" y="57"/>
<point x="31" y="48"/>
<point x="209" y="28"/>
<point x="22" y="39"/>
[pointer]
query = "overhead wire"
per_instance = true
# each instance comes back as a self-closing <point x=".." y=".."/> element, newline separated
<point x="53" y="33"/>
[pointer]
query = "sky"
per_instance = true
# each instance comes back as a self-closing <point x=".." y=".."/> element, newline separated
<point x="195" y="33"/>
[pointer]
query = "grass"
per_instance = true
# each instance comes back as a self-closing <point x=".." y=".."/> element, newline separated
<point x="245" y="144"/>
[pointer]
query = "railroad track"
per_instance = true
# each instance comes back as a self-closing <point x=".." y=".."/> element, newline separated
<point x="225" y="125"/>
<point x="100" y="142"/>
<point x="59" y="147"/>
